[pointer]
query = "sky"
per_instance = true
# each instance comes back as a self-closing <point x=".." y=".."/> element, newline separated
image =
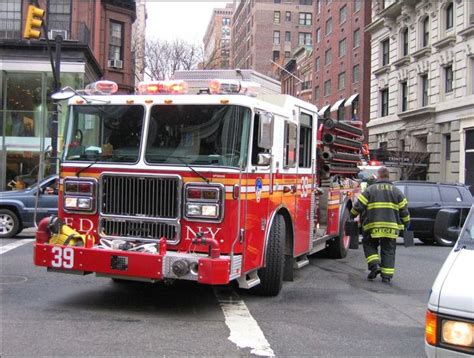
<point x="186" y="20"/>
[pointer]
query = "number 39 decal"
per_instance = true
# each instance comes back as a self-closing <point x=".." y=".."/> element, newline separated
<point x="63" y="257"/>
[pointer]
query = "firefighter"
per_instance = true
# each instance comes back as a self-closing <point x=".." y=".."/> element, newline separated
<point x="384" y="212"/>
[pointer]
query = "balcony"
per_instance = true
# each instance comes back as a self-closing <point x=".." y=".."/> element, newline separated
<point x="75" y="31"/>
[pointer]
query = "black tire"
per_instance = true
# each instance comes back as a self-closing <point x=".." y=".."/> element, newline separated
<point x="9" y="224"/>
<point x="446" y="228"/>
<point x="271" y="276"/>
<point x="337" y="248"/>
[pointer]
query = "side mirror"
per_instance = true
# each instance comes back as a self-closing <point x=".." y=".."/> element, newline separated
<point x="65" y="93"/>
<point x="264" y="159"/>
<point x="265" y="130"/>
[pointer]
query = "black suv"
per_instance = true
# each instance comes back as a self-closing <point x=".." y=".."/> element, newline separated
<point x="437" y="210"/>
<point x="17" y="207"/>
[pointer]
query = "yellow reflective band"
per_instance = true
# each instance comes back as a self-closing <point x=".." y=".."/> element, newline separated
<point x="372" y="258"/>
<point x="362" y="199"/>
<point x="402" y="203"/>
<point x="354" y="212"/>
<point x="406" y="219"/>
<point x="388" y="270"/>
<point x="382" y="224"/>
<point x="382" y="205"/>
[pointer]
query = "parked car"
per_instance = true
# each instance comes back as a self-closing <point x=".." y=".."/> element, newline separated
<point x="437" y="210"/>
<point x="449" y="327"/>
<point x="17" y="207"/>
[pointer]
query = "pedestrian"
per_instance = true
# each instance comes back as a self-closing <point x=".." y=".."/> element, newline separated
<point x="384" y="212"/>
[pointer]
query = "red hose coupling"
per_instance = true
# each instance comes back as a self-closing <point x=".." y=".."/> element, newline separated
<point x="42" y="233"/>
<point x="215" y="251"/>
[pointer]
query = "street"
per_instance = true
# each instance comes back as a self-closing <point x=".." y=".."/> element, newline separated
<point x="330" y="309"/>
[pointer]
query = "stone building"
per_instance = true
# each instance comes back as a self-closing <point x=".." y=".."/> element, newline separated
<point x="422" y="85"/>
<point x="217" y="39"/>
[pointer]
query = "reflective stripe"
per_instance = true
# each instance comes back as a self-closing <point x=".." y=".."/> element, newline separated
<point x="402" y="203"/>
<point x="354" y="212"/>
<point x="383" y="224"/>
<point x="382" y="205"/>
<point x="383" y="236"/>
<point x="362" y="199"/>
<point x="388" y="270"/>
<point x="372" y="258"/>
<point x="406" y="219"/>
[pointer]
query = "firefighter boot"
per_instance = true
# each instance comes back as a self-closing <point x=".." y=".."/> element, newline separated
<point x="374" y="271"/>
<point x="386" y="279"/>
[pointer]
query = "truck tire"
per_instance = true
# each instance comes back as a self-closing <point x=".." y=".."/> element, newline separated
<point x="446" y="227"/>
<point x="271" y="276"/>
<point x="337" y="247"/>
<point x="9" y="224"/>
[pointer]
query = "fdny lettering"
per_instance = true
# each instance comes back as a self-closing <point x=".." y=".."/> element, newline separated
<point x="85" y="225"/>
<point x="385" y="187"/>
<point x="383" y="231"/>
<point x="191" y="234"/>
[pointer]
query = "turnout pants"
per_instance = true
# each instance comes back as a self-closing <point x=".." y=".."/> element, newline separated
<point x="386" y="259"/>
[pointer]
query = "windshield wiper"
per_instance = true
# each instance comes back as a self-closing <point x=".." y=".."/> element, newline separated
<point x="85" y="168"/>
<point x="187" y="165"/>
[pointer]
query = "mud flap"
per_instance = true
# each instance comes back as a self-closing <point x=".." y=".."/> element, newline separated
<point x="408" y="238"/>
<point x="352" y="230"/>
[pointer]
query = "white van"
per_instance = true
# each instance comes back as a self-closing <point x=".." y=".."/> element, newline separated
<point x="449" y="328"/>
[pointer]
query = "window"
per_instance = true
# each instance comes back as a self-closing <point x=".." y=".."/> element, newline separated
<point x="449" y="11"/>
<point x="276" y="37"/>
<point x="404" y="40"/>
<point x="306" y="2"/>
<point x="115" y="41"/>
<point x="448" y="78"/>
<point x="10" y="19"/>
<point x="318" y="35"/>
<point x="450" y="194"/>
<point x="384" y="102"/>
<point x="328" y="26"/>
<point x="327" y="88"/>
<point x="317" y="65"/>
<point x="276" y="55"/>
<point x="447" y="147"/>
<point x="342" y="47"/>
<point x="226" y="21"/>
<point x="385" y="52"/>
<point x="304" y="38"/>
<point x="423" y="193"/>
<point x="356" y="38"/>
<point x="425" y="32"/>
<point x="424" y="90"/>
<point x="318" y="6"/>
<point x="289" y="155"/>
<point x="306" y="18"/>
<point x="328" y="57"/>
<point x="341" y="81"/>
<point x="277" y="1"/>
<point x="343" y="14"/>
<point x="404" y="95"/>
<point x="287" y="54"/>
<point x="59" y="15"/>
<point x="355" y="74"/>
<point x="316" y="92"/>
<point x="340" y="113"/>
<point x="357" y="5"/>
<point x="306" y="124"/>
<point x="276" y="17"/>
<point x="287" y="36"/>
<point x="288" y="16"/>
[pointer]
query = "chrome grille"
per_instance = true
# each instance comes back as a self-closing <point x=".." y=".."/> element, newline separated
<point x="140" y="196"/>
<point x="141" y="230"/>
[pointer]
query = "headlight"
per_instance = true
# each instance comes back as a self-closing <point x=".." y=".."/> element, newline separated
<point x="457" y="333"/>
<point x="204" y="201"/>
<point x="202" y="210"/>
<point x="73" y="203"/>
<point x="79" y="194"/>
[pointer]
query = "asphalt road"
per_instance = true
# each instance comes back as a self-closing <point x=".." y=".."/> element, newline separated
<point x="330" y="309"/>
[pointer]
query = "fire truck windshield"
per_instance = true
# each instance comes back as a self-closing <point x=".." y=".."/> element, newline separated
<point x="215" y="135"/>
<point x="104" y="133"/>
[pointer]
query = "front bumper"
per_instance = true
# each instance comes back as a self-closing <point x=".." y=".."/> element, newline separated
<point x="135" y="265"/>
<point x="433" y="352"/>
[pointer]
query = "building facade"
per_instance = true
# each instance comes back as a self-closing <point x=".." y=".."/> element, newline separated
<point x="96" y="44"/>
<point x="217" y="39"/>
<point x="265" y="32"/>
<point x="422" y="85"/>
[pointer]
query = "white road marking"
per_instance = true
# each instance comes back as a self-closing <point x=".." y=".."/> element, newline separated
<point x="244" y="329"/>
<point x="4" y="249"/>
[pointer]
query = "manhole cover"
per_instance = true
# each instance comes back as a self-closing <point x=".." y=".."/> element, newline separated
<point x="6" y="279"/>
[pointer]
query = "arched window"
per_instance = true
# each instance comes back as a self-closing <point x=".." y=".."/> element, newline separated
<point x="425" y="32"/>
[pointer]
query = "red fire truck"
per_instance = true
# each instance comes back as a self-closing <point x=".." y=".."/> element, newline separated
<point x="213" y="187"/>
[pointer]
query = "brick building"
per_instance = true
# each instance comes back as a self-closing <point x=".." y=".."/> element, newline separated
<point x="269" y="30"/>
<point x="96" y="44"/>
<point x="217" y="40"/>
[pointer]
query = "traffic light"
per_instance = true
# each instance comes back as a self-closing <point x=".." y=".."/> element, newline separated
<point x="34" y="20"/>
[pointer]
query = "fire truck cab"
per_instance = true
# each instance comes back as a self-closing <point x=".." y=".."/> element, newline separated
<point x="212" y="187"/>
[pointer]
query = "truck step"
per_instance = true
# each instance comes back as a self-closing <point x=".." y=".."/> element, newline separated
<point x="249" y="280"/>
<point x="300" y="262"/>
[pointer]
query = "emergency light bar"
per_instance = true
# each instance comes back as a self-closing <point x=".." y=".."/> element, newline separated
<point x="101" y="87"/>
<point x="234" y="87"/>
<point x="163" y="87"/>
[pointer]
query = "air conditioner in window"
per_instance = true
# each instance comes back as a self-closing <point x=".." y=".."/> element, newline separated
<point x="53" y="33"/>
<point x="116" y="63"/>
<point x="471" y="19"/>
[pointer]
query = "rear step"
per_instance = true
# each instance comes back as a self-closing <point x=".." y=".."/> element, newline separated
<point x="301" y="261"/>
<point x="249" y="280"/>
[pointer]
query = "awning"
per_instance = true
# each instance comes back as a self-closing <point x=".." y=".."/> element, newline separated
<point x="351" y="99"/>
<point x="323" y="110"/>
<point x="335" y="106"/>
